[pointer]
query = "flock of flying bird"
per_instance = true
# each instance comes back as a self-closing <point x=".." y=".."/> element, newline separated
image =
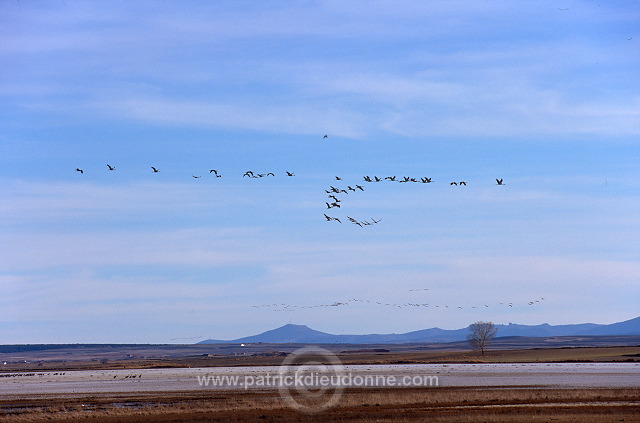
<point x="333" y="202"/>
<point x="290" y="307"/>
<point x="215" y="172"/>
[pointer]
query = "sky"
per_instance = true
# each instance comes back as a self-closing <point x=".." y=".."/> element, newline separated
<point x="544" y="95"/>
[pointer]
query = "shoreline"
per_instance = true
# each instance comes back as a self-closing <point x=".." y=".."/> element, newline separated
<point x="388" y="376"/>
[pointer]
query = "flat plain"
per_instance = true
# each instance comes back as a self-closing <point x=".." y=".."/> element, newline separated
<point x="601" y="384"/>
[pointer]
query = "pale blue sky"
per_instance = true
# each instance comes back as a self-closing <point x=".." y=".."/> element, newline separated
<point x="544" y="94"/>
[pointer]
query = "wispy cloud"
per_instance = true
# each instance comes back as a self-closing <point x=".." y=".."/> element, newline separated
<point x="546" y="99"/>
<point x="479" y="87"/>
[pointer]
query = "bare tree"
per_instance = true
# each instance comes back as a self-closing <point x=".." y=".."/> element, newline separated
<point x="480" y="333"/>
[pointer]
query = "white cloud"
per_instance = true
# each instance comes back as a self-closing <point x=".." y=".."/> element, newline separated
<point x="406" y="80"/>
<point x="307" y="119"/>
<point x="481" y="87"/>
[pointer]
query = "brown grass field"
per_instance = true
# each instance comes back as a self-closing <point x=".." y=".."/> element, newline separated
<point x="433" y="404"/>
<point x="358" y="405"/>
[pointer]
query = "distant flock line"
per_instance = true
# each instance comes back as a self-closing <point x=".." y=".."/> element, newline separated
<point x="290" y="307"/>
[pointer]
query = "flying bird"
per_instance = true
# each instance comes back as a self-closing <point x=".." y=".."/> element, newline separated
<point x="325" y="136"/>
<point x="110" y="167"/>
<point x="216" y="173"/>
<point x="196" y="177"/>
<point x="290" y="173"/>
<point x="499" y="182"/>
<point x="79" y="170"/>
<point x="155" y="170"/>
<point x="453" y="183"/>
<point x="329" y="218"/>
<point x="355" y="222"/>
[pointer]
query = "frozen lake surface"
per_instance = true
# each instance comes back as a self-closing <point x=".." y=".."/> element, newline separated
<point x="558" y="375"/>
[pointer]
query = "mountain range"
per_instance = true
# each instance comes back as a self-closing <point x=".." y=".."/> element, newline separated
<point x="303" y="334"/>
